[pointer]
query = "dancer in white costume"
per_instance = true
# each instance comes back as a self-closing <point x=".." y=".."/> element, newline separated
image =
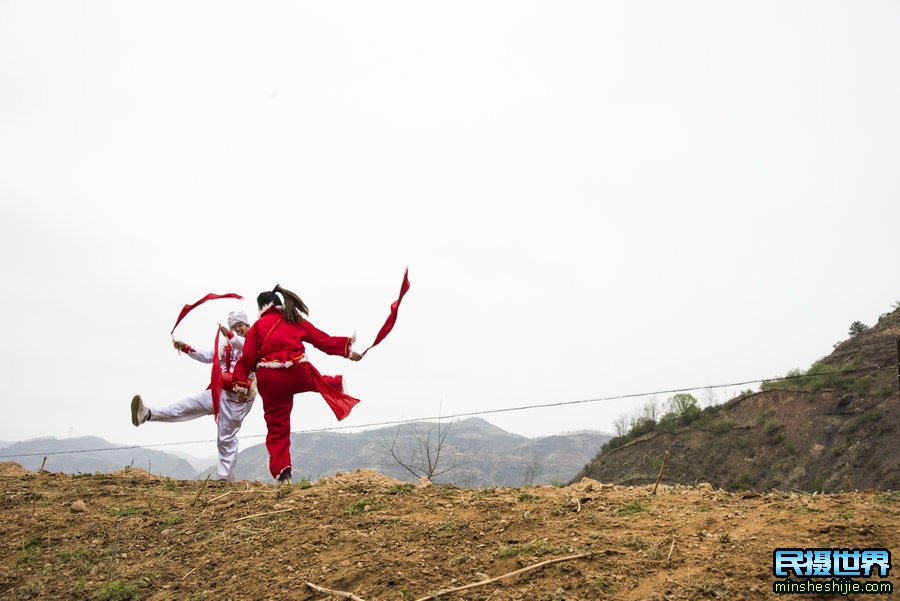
<point x="232" y="411"/>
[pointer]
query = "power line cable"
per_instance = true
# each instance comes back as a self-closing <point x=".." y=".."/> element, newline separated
<point x="460" y="415"/>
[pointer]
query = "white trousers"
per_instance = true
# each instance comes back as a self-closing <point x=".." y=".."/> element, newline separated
<point x="231" y="415"/>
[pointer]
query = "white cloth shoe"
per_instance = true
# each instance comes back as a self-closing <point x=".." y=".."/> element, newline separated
<point x="139" y="413"/>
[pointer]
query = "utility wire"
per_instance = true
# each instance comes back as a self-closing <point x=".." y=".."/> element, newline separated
<point x="466" y="414"/>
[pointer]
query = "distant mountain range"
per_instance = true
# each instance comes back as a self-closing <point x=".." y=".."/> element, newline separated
<point x="156" y="462"/>
<point x="480" y="453"/>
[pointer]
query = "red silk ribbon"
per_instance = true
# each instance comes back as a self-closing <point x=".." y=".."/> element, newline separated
<point x="215" y="383"/>
<point x="392" y="318"/>
<point x="188" y="308"/>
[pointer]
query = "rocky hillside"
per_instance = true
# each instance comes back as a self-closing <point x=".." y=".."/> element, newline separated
<point x="131" y="536"/>
<point x="820" y="431"/>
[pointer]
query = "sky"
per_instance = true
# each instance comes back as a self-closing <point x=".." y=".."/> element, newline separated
<point x="593" y="199"/>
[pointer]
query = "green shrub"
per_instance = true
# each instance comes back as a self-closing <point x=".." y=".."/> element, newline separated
<point x="818" y="377"/>
<point x="772" y="426"/>
<point x="862" y="385"/>
<point x="683" y="409"/>
<point x="722" y="425"/>
<point x="864" y="420"/>
<point x="857" y="328"/>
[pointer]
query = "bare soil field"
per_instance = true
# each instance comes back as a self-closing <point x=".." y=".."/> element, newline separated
<point x="131" y="535"/>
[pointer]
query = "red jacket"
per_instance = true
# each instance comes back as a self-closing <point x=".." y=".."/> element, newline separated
<point x="268" y="342"/>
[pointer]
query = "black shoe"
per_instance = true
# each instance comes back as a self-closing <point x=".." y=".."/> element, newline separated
<point x="285" y="476"/>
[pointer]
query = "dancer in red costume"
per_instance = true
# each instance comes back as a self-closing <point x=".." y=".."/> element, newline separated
<point x="274" y="349"/>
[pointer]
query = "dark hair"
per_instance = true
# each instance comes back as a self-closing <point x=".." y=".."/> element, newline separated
<point x="294" y="307"/>
<point x="268" y="298"/>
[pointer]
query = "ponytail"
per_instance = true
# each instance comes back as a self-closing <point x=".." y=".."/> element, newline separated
<point x="294" y="307"/>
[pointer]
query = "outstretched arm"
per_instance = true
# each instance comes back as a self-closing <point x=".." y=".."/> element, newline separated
<point x="332" y="345"/>
<point x="203" y="356"/>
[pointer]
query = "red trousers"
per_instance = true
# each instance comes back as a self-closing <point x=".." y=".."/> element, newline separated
<point x="277" y="388"/>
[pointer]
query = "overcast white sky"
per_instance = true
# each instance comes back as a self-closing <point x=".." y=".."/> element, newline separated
<point x="593" y="198"/>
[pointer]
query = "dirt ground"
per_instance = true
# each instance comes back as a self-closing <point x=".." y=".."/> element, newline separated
<point x="134" y="536"/>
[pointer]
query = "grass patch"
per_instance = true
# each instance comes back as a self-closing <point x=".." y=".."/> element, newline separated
<point x="125" y="512"/>
<point x="713" y="590"/>
<point x="535" y="549"/>
<point x="562" y="509"/>
<point x="401" y="489"/>
<point x="607" y="588"/>
<point x="804" y="510"/>
<point x="636" y="543"/>
<point x="358" y="507"/>
<point x="484" y="492"/>
<point x="75" y="556"/>
<point x="888" y="497"/>
<point x="117" y="591"/>
<point x="525" y="497"/>
<point x="31" y="548"/>
<point x="633" y="508"/>
<point x="28" y="591"/>
<point x="448" y="527"/>
<point x="168" y="521"/>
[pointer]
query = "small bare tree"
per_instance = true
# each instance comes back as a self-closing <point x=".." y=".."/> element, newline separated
<point x="427" y="454"/>
<point x="531" y="469"/>
<point x="620" y="425"/>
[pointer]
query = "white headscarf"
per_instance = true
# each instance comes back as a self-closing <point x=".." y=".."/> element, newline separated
<point x="237" y="317"/>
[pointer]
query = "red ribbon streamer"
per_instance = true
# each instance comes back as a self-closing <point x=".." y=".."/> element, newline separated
<point x="392" y="318"/>
<point x="188" y="308"/>
<point x="215" y="383"/>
